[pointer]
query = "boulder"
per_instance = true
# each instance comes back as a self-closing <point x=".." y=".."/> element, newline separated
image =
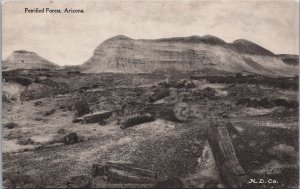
<point x="209" y="92"/>
<point x="70" y="138"/>
<point x="82" y="108"/>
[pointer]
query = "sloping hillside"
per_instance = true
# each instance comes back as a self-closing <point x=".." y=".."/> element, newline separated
<point x="22" y="59"/>
<point x="290" y="59"/>
<point x="123" y="54"/>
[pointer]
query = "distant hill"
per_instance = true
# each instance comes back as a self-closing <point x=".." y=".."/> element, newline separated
<point x="248" y="47"/>
<point x="123" y="54"/>
<point x="22" y="59"/>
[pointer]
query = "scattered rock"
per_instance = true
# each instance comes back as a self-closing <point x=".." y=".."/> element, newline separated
<point x="226" y="116"/>
<point x="79" y="182"/>
<point x="38" y="103"/>
<point x="70" y="138"/>
<point x="25" y="141"/>
<point x="61" y="131"/>
<point x="183" y="83"/>
<point x="162" y="93"/>
<point x="102" y="123"/>
<point x="209" y="92"/>
<point x="265" y="103"/>
<point x="49" y="112"/>
<point x="10" y="125"/>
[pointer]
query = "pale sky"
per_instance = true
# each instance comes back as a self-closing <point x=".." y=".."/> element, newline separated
<point x="69" y="39"/>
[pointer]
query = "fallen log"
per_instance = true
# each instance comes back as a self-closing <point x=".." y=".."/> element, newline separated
<point x="136" y="119"/>
<point x="135" y="170"/>
<point x="122" y="173"/>
<point x="231" y="172"/>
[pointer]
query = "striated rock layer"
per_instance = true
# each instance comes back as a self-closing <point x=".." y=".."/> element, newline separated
<point x="123" y="54"/>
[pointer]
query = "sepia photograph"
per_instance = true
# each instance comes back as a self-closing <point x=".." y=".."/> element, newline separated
<point x="150" y="94"/>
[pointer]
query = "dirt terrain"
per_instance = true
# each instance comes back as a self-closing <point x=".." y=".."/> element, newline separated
<point x="39" y="108"/>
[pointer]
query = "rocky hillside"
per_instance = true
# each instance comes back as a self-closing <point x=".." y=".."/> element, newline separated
<point x="22" y="59"/>
<point x="123" y="54"/>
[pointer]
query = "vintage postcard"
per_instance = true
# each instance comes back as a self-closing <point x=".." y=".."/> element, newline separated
<point x="150" y="94"/>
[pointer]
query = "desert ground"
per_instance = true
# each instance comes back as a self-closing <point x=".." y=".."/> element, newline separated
<point x="40" y="108"/>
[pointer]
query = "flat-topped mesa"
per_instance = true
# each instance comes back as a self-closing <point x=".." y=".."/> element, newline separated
<point x="22" y="59"/>
<point x="207" y="39"/>
<point x="193" y="53"/>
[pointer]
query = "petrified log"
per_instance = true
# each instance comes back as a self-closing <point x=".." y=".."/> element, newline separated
<point x="94" y="117"/>
<point x="137" y="119"/>
<point x="181" y="111"/>
<point x="162" y="93"/>
<point x="231" y="172"/>
<point x="130" y="168"/>
<point x="122" y="173"/>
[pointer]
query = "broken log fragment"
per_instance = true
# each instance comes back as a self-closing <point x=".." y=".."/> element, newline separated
<point x="181" y="111"/>
<point x="231" y="172"/>
<point x="94" y="117"/>
<point x="137" y="119"/>
<point x="162" y="93"/>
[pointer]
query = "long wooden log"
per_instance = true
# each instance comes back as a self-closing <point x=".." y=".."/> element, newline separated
<point x="231" y="172"/>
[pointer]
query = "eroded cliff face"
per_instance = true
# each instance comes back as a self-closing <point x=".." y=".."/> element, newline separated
<point x="22" y="59"/>
<point x="122" y="54"/>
